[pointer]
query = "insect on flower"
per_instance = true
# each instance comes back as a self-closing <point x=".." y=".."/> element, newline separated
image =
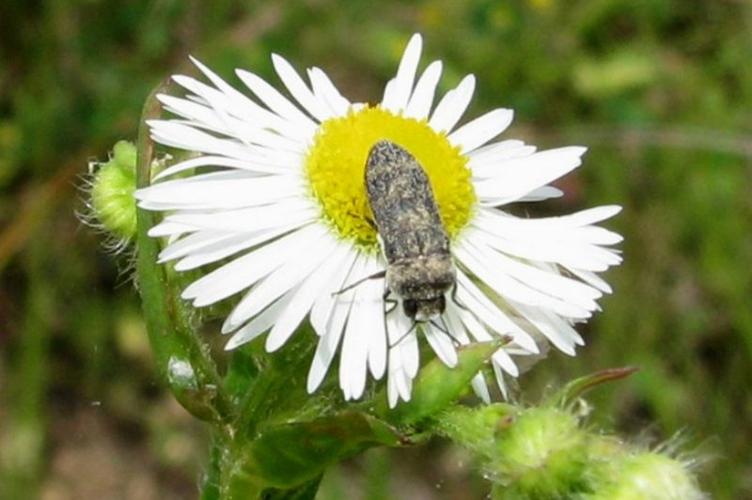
<point x="269" y="175"/>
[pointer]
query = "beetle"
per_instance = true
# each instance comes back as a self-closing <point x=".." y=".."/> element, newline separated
<point x="415" y="244"/>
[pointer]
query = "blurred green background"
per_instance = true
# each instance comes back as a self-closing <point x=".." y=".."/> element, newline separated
<point x="660" y="90"/>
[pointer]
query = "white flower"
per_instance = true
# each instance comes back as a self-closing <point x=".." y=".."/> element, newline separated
<point x="286" y="211"/>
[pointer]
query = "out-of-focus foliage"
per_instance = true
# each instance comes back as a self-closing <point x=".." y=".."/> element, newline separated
<point x="659" y="89"/>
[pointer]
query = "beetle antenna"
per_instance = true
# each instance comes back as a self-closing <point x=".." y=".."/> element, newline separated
<point x="445" y="329"/>
<point x="404" y="336"/>
<point x="374" y="276"/>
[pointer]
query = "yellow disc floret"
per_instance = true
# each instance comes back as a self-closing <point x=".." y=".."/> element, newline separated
<point x="335" y="167"/>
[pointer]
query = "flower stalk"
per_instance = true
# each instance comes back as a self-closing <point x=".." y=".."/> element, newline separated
<point x="182" y="358"/>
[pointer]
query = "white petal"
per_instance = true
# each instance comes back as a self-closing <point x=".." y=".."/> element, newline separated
<point x="395" y="378"/>
<point x="405" y="385"/>
<point x="303" y="298"/>
<point x="389" y="92"/>
<point x="490" y="160"/>
<point x="212" y="193"/>
<point x="410" y="354"/>
<point x="520" y="176"/>
<point x="398" y="326"/>
<point x="287" y="276"/>
<point x="192" y="111"/>
<point x="275" y="100"/>
<point x="441" y="344"/>
<point x="291" y="210"/>
<point x="551" y="283"/>
<point x="223" y="174"/>
<point x="563" y="326"/>
<point x="582" y="218"/>
<point x="490" y="314"/>
<point x="454" y="326"/>
<point x="397" y="95"/>
<point x="499" y="374"/>
<point x="546" y="247"/>
<point x="576" y="226"/>
<point x="241" y="106"/>
<point x="470" y="322"/>
<point x="327" y="92"/>
<point x="299" y="89"/>
<point x="451" y="107"/>
<point x="399" y="382"/>
<point x="481" y="130"/>
<point x="481" y="389"/>
<point x="169" y="229"/>
<point x="373" y="292"/>
<point x="392" y="393"/>
<point x="260" y="166"/>
<point x="560" y="338"/>
<point x="351" y="370"/>
<point x="179" y="135"/>
<point x="510" y="288"/>
<point x="329" y="340"/>
<point x="543" y="193"/>
<point x="593" y="279"/>
<point x="505" y="362"/>
<point x="193" y="242"/>
<point x="555" y="239"/>
<point x="593" y="215"/>
<point x="220" y="250"/>
<point x="259" y="324"/>
<point x="499" y="151"/>
<point x="422" y="98"/>
<point x="249" y="268"/>
<point x="325" y="303"/>
<point x="203" y="92"/>
<point x="597" y="235"/>
<point x="215" y="118"/>
<point x="354" y="355"/>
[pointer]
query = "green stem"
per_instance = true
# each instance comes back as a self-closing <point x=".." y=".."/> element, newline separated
<point x="210" y="483"/>
<point x="183" y="359"/>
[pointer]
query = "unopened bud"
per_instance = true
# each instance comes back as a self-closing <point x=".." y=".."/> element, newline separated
<point x="111" y="193"/>
<point x="541" y="453"/>
<point x="647" y="475"/>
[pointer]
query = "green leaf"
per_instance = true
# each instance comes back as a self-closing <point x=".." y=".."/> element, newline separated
<point x="288" y="455"/>
<point x="437" y="385"/>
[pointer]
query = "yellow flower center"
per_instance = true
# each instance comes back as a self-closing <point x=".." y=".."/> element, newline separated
<point x="335" y="166"/>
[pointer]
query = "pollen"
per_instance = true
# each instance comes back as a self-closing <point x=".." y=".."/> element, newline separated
<point x="335" y="168"/>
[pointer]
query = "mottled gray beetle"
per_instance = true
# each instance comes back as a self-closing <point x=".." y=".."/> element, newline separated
<point x="415" y="243"/>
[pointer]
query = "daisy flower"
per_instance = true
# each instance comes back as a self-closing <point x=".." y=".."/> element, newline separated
<point x="276" y="196"/>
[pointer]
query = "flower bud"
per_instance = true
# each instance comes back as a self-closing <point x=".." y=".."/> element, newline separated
<point x="541" y="453"/>
<point x="648" y="475"/>
<point x="111" y="193"/>
<point x="476" y="428"/>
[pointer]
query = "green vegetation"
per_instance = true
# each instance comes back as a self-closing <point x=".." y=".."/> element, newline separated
<point x="660" y="90"/>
